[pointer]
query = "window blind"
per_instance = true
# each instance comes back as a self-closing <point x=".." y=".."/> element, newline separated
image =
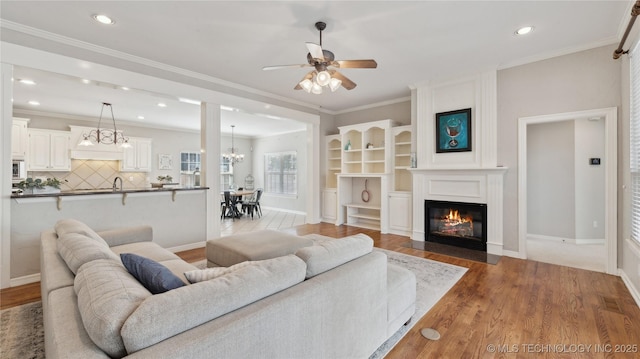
<point x="634" y="134"/>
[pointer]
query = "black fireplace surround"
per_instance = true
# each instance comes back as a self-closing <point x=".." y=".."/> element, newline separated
<point x="456" y="223"/>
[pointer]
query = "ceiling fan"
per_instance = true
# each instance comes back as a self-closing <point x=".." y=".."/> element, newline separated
<point x="324" y="63"/>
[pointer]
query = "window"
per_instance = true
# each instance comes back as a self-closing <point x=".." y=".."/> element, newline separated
<point x="634" y="143"/>
<point x="189" y="161"/>
<point x="281" y="173"/>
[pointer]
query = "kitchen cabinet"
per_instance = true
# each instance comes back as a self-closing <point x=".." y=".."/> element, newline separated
<point x="48" y="150"/>
<point x="137" y="158"/>
<point x="19" y="139"/>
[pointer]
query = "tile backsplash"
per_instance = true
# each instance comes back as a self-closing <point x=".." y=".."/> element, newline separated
<point x="94" y="174"/>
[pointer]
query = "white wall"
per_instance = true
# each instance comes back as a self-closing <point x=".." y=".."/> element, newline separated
<point x="589" y="180"/>
<point x="550" y="179"/>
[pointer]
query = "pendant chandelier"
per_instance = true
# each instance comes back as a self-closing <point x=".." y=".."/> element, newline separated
<point x="105" y="135"/>
<point x="232" y="156"/>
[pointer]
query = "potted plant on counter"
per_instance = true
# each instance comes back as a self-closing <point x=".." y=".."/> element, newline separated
<point x="38" y="186"/>
<point x="163" y="180"/>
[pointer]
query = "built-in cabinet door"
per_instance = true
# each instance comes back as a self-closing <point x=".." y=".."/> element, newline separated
<point x="48" y="150"/>
<point x="137" y="158"/>
<point x="400" y="213"/>
<point x="19" y="140"/>
<point x="329" y="205"/>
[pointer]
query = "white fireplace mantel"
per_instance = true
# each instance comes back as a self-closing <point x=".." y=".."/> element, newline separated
<point x="469" y="185"/>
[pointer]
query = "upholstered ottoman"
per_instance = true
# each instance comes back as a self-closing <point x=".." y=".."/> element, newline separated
<point x="252" y="246"/>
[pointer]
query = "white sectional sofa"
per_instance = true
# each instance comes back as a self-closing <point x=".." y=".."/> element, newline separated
<point x="293" y="306"/>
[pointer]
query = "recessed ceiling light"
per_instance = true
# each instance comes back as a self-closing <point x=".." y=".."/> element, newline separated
<point x="103" y="19"/>
<point x="34" y="103"/>
<point x="85" y="81"/>
<point x="27" y="82"/>
<point x="524" y="30"/>
<point x="162" y="104"/>
<point x="140" y="117"/>
<point x="125" y="88"/>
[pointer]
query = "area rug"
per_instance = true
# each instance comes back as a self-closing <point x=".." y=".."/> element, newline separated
<point x="22" y="332"/>
<point x="433" y="280"/>
<point x="22" y="335"/>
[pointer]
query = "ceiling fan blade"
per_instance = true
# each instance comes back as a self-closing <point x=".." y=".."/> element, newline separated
<point x="346" y="83"/>
<point x="356" y="64"/>
<point x="307" y="76"/>
<point x="315" y="50"/>
<point x="278" y="67"/>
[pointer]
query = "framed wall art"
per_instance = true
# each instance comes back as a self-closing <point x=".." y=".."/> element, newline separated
<point x="453" y="131"/>
<point x="165" y="162"/>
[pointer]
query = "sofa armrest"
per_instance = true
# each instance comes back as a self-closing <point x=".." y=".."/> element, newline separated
<point x="120" y="236"/>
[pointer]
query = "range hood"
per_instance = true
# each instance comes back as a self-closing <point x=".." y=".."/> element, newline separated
<point x="98" y="151"/>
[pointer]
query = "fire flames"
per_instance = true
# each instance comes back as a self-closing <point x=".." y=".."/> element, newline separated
<point x="455" y="224"/>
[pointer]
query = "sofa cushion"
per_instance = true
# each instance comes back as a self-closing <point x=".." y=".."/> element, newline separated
<point x="200" y="275"/>
<point x="65" y="226"/>
<point x="107" y="295"/>
<point x="332" y="253"/>
<point x="153" y="275"/>
<point x="78" y="248"/>
<point x="149" y="250"/>
<point x="162" y="316"/>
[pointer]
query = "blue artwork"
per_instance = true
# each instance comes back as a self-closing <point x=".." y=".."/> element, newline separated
<point x="453" y="131"/>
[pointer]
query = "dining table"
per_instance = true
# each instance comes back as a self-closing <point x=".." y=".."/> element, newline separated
<point x="236" y="198"/>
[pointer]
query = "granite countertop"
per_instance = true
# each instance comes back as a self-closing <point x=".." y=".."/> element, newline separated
<point x="100" y="191"/>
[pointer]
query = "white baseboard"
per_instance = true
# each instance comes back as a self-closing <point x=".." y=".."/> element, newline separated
<point x="531" y="236"/>
<point x="512" y="254"/>
<point x="27" y="279"/>
<point x="632" y="289"/>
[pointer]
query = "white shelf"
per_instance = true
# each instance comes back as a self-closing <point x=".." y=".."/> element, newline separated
<point x="403" y="155"/>
<point x="364" y="216"/>
<point x="352" y="162"/>
<point x="375" y="149"/>
<point x="403" y="167"/>
<point x="362" y="206"/>
<point x="374" y="161"/>
<point x="402" y="143"/>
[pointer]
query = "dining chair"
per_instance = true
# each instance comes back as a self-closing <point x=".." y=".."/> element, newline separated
<point x="228" y="208"/>
<point x="253" y="204"/>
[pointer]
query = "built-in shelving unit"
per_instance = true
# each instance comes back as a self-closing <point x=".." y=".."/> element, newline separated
<point x="334" y="160"/>
<point x="376" y="157"/>
<point x="402" y="158"/>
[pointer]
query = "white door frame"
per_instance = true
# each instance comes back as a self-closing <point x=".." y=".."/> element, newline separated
<point x="610" y="160"/>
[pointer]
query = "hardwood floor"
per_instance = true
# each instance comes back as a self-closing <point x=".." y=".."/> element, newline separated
<point x="515" y="309"/>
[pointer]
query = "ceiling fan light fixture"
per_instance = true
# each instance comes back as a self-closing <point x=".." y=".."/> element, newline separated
<point x="316" y="89"/>
<point x="323" y="78"/>
<point x="334" y="84"/>
<point x="306" y="85"/>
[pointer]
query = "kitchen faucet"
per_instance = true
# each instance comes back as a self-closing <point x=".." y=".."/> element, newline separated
<point x="115" y="180"/>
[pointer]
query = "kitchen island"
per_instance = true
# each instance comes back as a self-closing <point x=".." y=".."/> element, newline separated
<point x="177" y="215"/>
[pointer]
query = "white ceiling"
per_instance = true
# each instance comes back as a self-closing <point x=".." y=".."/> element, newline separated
<point x="412" y="41"/>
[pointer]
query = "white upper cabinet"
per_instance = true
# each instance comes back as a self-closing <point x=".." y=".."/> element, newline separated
<point x="19" y="139"/>
<point x="137" y="158"/>
<point x="48" y="150"/>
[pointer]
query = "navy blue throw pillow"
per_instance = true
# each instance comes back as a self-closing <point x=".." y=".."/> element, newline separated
<point x="151" y="274"/>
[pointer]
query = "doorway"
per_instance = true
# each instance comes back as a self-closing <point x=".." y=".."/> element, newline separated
<point x="567" y="189"/>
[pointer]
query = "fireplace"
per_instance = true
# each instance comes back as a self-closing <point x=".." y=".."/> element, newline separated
<point x="456" y="223"/>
